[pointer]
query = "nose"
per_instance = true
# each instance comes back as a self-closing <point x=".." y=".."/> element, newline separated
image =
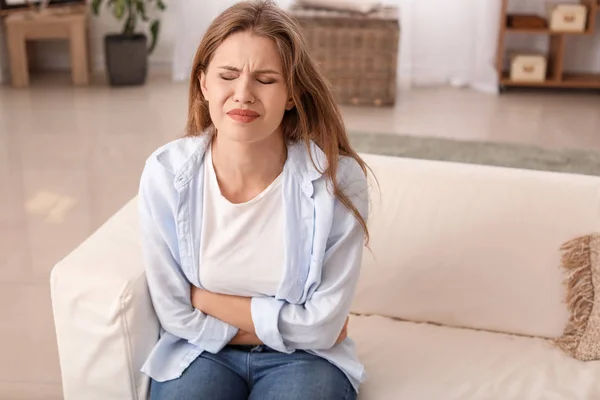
<point x="243" y="91"/>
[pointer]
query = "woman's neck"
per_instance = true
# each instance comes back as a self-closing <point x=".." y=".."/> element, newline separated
<point x="244" y="170"/>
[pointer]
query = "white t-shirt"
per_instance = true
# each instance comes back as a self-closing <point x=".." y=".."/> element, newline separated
<point x="242" y="245"/>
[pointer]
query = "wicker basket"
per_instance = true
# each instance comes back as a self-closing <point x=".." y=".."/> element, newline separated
<point x="358" y="53"/>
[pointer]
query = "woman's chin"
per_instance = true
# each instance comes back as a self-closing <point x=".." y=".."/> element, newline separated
<point x="241" y="137"/>
<point x="244" y="134"/>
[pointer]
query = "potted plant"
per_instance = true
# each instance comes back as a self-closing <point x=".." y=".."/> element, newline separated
<point x="127" y="53"/>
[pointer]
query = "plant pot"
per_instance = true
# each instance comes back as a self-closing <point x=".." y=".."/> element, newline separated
<point x="126" y="59"/>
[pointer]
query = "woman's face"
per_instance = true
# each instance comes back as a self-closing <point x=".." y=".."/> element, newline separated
<point x="245" y="88"/>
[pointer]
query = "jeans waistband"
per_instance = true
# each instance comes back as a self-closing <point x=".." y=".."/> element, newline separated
<point x="250" y="348"/>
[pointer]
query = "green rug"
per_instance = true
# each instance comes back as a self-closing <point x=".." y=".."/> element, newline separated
<point x="484" y="153"/>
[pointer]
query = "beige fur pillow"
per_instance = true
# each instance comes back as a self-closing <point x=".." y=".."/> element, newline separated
<point x="581" y="261"/>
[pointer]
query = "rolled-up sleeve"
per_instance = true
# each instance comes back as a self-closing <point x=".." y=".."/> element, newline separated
<point x="265" y="315"/>
<point x="169" y="289"/>
<point x="316" y="324"/>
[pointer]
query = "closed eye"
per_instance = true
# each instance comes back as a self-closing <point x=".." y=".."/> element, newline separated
<point x="232" y="77"/>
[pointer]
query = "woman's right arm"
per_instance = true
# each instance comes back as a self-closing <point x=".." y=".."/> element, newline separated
<point x="169" y="288"/>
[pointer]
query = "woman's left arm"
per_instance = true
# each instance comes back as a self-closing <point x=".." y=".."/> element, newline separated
<point x="317" y="323"/>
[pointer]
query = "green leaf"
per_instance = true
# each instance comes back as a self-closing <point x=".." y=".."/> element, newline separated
<point x="132" y="11"/>
<point x="119" y="10"/>
<point x="96" y="6"/>
<point x="141" y="9"/>
<point x="154" y="30"/>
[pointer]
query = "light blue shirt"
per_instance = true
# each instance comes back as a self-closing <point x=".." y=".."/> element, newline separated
<point x="323" y="254"/>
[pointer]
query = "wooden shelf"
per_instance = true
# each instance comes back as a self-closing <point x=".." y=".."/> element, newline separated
<point x="569" y="80"/>
<point x="546" y="31"/>
<point x="577" y="80"/>
<point x="557" y="77"/>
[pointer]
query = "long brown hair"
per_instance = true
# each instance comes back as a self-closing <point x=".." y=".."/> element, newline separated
<point x="315" y="116"/>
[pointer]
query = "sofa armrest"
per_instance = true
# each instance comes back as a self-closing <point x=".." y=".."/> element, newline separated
<point x="104" y="319"/>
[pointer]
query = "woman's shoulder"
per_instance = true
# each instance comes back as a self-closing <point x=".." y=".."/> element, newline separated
<point x="169" y="162"/>
<point x="315" y="162"/>
<point x="352" y="181"/>
<point x="172" y="156"/>
<point x="351" y="177"/>
<point x="349" y="169"/>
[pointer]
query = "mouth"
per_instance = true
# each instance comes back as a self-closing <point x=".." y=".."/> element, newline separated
<point x="245" y="116"/>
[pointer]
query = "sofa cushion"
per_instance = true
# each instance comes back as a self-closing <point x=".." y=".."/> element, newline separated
<point x="473" y="246"/>
<point x="414" y="361"/>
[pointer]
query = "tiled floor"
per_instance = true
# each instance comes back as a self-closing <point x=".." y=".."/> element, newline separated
<point x="70" y="157"/>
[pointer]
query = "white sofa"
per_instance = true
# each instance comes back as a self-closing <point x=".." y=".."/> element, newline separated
<point x="459" y="290"/>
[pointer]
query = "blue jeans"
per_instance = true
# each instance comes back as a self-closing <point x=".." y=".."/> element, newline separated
<point x="256" y="373"/>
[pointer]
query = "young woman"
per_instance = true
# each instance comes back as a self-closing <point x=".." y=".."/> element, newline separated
<point x="253" y="224"/>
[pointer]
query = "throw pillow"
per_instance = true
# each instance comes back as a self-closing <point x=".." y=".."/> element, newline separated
<point x="581" y="261"/>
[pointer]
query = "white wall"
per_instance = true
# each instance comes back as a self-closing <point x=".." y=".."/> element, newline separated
<point x="448" y="42"/>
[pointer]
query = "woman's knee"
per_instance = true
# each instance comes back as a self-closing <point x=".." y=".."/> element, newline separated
<point x="329" y="382"/>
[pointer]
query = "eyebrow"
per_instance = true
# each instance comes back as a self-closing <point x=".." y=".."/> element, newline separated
<point x="258" y="72"/>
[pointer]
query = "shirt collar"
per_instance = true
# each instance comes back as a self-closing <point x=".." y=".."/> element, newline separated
<point x="187" y="156"/>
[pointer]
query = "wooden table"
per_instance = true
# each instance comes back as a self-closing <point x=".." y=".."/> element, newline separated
<point x="70" y="24"/>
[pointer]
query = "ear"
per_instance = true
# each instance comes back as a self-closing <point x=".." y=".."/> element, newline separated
<point x="290" y="104"/>
<point x="202" y="79"/>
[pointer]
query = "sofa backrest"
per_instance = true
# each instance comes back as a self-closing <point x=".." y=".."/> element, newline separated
<point x="472" y="246"/>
